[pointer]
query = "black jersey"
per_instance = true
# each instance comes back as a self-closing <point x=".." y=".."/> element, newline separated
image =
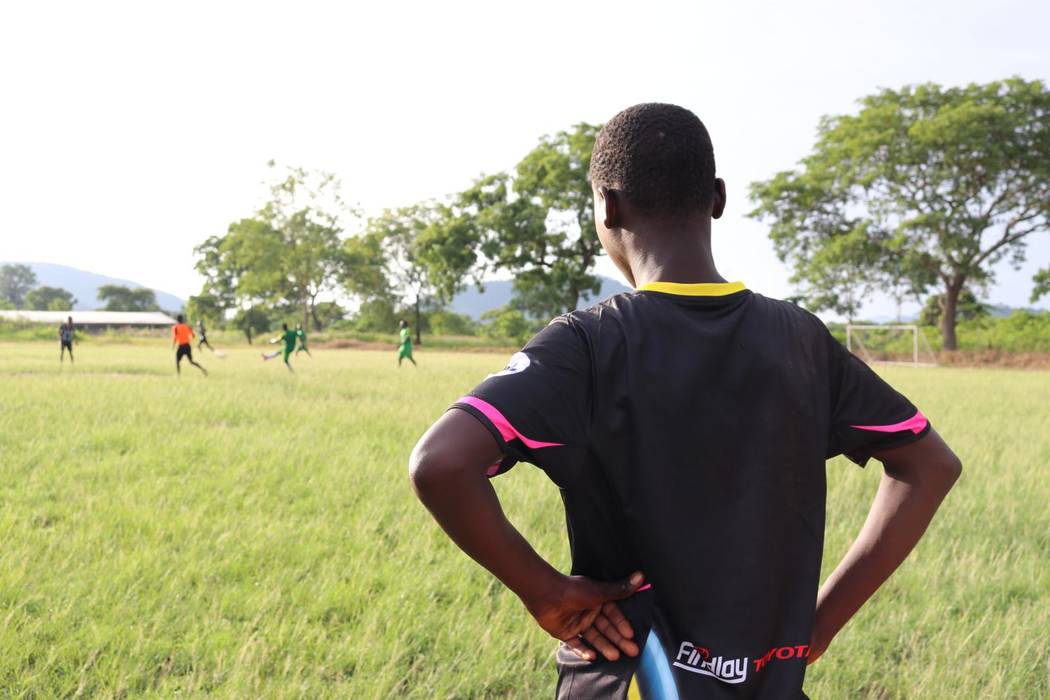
<point x="688" y="427"/>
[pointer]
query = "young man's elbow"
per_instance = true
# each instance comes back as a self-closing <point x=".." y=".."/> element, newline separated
<point x="426" y="469"/>
<point x="952" y="470"/>
<point x="944" y="472"/>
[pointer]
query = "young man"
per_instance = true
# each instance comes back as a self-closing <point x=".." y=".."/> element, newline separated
<point x="289" y="337"/>
<point x="182" y="336"/>
<point x="204" y="336"/>
<point x="404" y="350"/>
<point x="301" y="335"/>
<point x="687" y="424"/>
<point x="66" y="338"/>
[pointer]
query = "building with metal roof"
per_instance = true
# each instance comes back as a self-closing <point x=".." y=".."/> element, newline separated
<point x="89" y="320"/>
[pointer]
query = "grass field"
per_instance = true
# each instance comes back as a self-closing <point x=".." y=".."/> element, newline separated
<point x="254" y="534"/>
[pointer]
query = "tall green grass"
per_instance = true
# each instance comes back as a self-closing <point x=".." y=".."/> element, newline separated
<point x="253" y="534"/>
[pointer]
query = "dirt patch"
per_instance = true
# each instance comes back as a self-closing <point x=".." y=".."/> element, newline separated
<point x="352" y="344"/>
<point x="995" y="358"/>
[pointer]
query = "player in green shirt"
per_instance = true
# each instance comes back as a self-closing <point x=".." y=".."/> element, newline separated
<point x="289" y="337"/>
<point x="301" y="335"/>
<point x="404" y="350"/>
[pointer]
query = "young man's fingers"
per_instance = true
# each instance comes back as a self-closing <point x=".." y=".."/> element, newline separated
<point x="622" y="589"/>
<point x="623" y="626"/>
<point x="598" y="640"/>
<point x="606" y="627"/>
<point x="576" y="646"/>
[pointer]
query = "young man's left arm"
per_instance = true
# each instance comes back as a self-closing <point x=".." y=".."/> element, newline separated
<point x="448" y="471"/>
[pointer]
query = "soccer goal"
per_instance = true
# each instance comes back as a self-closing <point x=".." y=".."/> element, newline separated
<point x="890" y="345"/>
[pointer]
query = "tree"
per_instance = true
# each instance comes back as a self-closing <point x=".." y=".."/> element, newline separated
<point x="287" y="254"/>
<point x="1042" y="284"/>
<point x="376" y="315"/>
<point x="15" y="281"/>
<point x="252" y="321"/>
<point x="121" y="298"/>
<point x="539" y="224"/>
<point x="207" y="307"/>
<point x="505" y="322"/>
<point x="427" y="252"/>
<point x="968" y="308"/>
<point x="50" y="298"/>
<point x="946" y="182"/>
<point x="325" y="313"/>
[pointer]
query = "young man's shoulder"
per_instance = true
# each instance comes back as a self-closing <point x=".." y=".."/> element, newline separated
<point x="618" y="304"/>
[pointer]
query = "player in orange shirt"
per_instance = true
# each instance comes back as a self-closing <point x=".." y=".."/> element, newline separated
<point x="182" y="336"/>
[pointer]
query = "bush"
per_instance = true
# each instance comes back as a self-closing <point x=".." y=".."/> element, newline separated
<point x="506" y="323"/>
<point x="376" y="316"/>
<point x="449" y="323"/>
<point x="1020" y="332"/>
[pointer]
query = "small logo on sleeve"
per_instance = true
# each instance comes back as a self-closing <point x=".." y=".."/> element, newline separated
<point x="518" y="362"/>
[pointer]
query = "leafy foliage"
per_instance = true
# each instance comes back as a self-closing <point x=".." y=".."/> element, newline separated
<point x="120" y="298"/>
<point x="506" y="323"/>
<point x="284" y="256"/>
<point x="933" y="185"/>
<point x="252" y="321"/>
<point x="1042" y="284"/>
<point x="969" y="307"/>
<point x="539" y="225"/>
<point x="50" y="299"/>
<point x="15" y="282"/>
<point x="449" y="323"/>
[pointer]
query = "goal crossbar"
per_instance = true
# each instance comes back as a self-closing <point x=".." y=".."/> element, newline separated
<point x="855" y="344"/>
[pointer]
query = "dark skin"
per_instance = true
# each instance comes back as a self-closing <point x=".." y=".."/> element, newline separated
<point x="448" y="468"/>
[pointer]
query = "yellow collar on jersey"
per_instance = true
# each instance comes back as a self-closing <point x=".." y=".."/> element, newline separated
<point x="699" y="289"/>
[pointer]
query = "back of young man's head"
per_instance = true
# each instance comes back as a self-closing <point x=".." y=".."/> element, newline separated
<point x="180" y="318"/>
<point x="659" y="157"/>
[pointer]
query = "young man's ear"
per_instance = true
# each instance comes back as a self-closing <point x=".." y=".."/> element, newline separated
<point x="718" y="199"/>
<point x="611" y="201"/>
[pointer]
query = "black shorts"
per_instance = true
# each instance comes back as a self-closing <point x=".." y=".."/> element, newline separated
<point x="184" y="351"/>
<point x="67" y="344"/>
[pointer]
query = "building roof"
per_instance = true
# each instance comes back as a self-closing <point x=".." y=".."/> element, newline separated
<point x="91" y="318"/>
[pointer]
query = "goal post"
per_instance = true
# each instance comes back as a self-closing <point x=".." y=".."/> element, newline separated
<point x="890" y="345"/>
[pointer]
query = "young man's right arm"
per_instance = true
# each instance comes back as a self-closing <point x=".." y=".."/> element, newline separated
<point x="448" y="470"/>
<point x="917" y="477"/>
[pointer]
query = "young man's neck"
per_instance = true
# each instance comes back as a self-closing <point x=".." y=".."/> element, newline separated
<point x="665" y="255"/>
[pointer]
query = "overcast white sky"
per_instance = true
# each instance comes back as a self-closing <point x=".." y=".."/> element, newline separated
<point x="129" y="132"/>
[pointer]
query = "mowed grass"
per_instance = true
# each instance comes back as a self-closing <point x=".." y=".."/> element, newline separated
<point x="254" y="534"/>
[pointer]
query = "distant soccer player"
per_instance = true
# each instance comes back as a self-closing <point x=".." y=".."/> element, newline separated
<point x="66" y="336"/>
<point x="182" y="336"/>
<point x="301" y="334"/>
<point x="289" y="337"/>
<point x="404" y="350"/>
<point x="686" y="424"/>
<point x="204" y="336"/>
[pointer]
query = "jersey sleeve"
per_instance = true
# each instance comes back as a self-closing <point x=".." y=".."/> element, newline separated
<point x="867" y="414"/>
<point x="538" y="407"/>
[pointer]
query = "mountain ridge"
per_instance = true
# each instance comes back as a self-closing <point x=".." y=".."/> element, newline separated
<point x="84" y="284"/>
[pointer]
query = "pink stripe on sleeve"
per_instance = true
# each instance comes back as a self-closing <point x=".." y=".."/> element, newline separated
<point x="916" y="424"/>
<point x="506" y="430"/>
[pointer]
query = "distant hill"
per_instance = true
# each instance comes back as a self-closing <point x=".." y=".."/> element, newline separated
<point x="498" y="292"/>
<point x="84" y="286"/>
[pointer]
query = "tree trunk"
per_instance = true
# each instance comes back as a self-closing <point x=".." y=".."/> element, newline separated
<point x="419" y="338"/>
<point x="306" y="313"/>
<point x="951" y="305"/>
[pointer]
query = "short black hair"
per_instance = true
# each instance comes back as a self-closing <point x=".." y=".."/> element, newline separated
<point x="659" y="155"/>
<point x="179" y="318"/>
